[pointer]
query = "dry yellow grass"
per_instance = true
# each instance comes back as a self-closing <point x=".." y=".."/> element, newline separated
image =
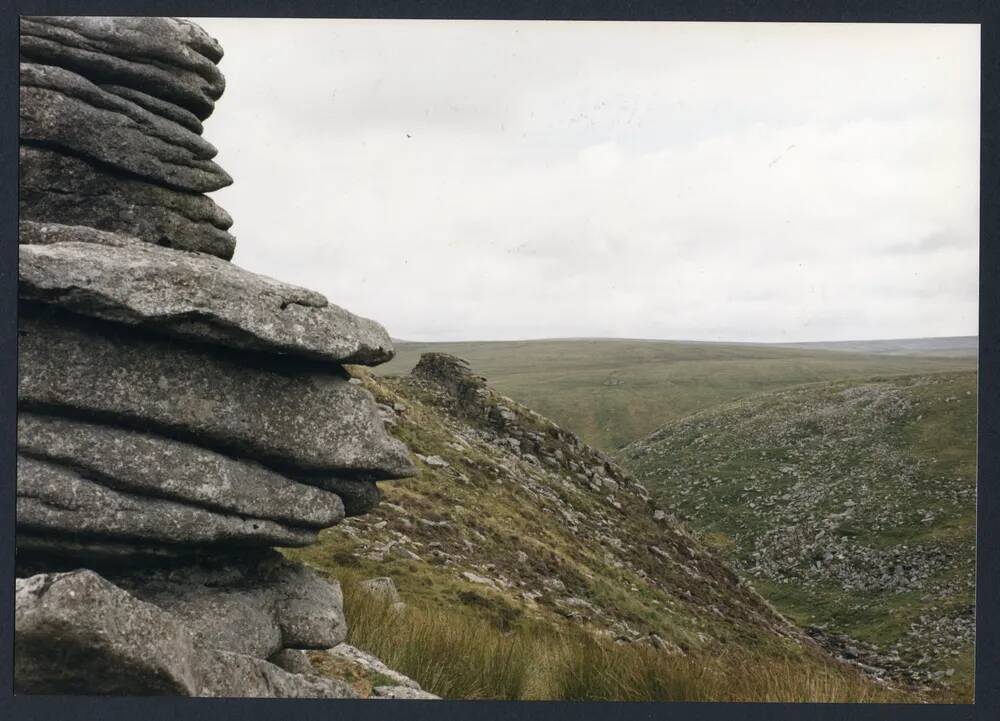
<point x="455" y="655"/>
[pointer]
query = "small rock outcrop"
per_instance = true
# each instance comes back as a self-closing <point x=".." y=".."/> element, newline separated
<point x="468" y="396"/>
<point x="179" y="416"/>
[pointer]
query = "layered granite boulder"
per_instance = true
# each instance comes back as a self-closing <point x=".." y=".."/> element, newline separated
<point x="111" y="112"/>
<point x="179" y="416"/>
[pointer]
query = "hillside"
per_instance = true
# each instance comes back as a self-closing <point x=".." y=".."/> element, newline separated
<point x="613" y="392"/>
<point x="516" y="525"/>
<point x="851" y="506"/>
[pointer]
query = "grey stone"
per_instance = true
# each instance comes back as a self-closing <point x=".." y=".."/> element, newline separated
<point x="30" y="232"/>
<point x="57" y="188"/>
<point x="398" y="550"/>
<point x="151" y="465"/>
<point x="359" y="496"/>
<point x="382" y="586"/>
<point x="472" y="577"/>
<point x="285" y="414"/>
<point x="174" y="60"/>
<point x="371" y="664"/>
<point x="254" y="607"/>
<point x="57" y="499"/>
<point x="173" y="41"/>
<point x="77" y="633"/>
<point x="66" y="111"/>
<point x="402" y="692"/>
<point x="198" y="297"/>
<point x="293" y="660"/>
<point x="231" y="675"/>
<point x="159" y="107"/>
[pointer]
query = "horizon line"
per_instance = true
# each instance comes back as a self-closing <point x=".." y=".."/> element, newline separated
<point x="689" y="340"/>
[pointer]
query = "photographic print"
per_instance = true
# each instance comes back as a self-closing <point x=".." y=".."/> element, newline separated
<point x="512" y="360"/>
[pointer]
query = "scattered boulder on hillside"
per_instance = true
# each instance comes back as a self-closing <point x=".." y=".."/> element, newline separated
<point x="382" y="586"/>
<point x="839" y="493"/>
<point x="179" y="415"/>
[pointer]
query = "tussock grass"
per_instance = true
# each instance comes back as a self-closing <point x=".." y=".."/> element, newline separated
<point x="457" y="655"/>
<point x="448" y="653"/>
<point x="589" y="669"/>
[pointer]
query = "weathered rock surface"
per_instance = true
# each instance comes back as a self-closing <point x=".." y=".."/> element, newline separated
<point x="198" y="297"/>
<point x="293" y="660"/>
<point x="170" y="59"/>
<point x="371" y="664"/>
<point x="359" y="495"/>
<point x="64" y="110"/>
<point x="179" y="415"/>
<point x="231" y="675"/>
<point x="280" y="414"/>
<point x="160" y="107"/>
<point x="77" y="633"/>
<point x="58" y="188"/>
<point x="254" y="606"/>
<point x="382" y="586"/>
<point x="55" y="498"/>
<point x="30" y="232"/>
<point x="403" y="692"/>
<point x="152" y="465"/>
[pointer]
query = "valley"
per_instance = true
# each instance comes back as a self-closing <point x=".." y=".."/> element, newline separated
<point x="837" y="479"/>
<point x="850" y="506"/>
<point x="613" y="392"/>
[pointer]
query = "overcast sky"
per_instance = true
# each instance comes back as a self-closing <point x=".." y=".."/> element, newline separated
<point x="505" y="180"/>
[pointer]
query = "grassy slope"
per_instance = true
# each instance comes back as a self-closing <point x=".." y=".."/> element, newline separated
<point x="851" y="505"/>
<point x="613" y="392"/>
<point x="561" y="558"/>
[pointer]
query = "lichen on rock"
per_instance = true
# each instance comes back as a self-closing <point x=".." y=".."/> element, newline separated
<point x="179" y="415"/>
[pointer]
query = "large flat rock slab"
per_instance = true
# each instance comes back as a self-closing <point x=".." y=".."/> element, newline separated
<point x="173" y="60"/>
<point x="63" y="110"/>
<point x="253" y="606"/>
<point x="151" y="465"/>
<point x="58" y="499"/>
<point x="198" y="297"/>
<point x="78" y="633"/>
<point x="62" y="189"/>
<point x="289" y="415"/>
<point x="157" y="106"/>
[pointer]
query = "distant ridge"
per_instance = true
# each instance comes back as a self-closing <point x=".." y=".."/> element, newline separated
<point x="950" y="346"/>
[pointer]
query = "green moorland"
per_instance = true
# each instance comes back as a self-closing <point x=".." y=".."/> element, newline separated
<point x="612" y="392"/>
<point x="523" y="578"/>
<point x="850" y="506"/>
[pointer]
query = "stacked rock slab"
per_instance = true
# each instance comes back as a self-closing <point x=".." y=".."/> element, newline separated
<point x="179" y="416"/>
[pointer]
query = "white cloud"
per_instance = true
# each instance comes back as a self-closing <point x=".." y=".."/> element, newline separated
<point x="674" y="180"/>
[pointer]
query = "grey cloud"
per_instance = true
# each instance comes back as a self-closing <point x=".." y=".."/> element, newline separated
<point x="609" y="179"/>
